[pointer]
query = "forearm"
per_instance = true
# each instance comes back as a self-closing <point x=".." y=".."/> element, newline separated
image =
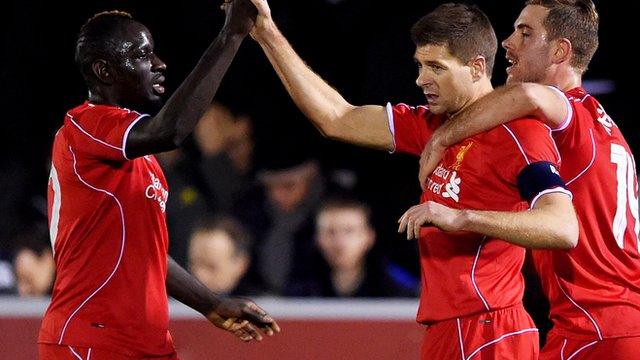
<point x="498" y="107"/>
<point x="185" y="288"/>
<point x="182" y="111"/>
<point x="316" y="99"/>
<point x="535" y="229"/>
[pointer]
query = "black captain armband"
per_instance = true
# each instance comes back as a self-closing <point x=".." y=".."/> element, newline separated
<point x="538" y="177"/>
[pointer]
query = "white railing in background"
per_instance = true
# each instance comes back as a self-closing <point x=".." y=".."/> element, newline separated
<point x="280" y="308"/>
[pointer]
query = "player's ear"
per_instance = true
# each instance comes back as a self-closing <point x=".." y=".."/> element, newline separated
<point x="562" y="50"/>
<point x="478" y="67"/>
<point x="101" y="71"/>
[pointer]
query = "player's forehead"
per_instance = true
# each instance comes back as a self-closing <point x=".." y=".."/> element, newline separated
<point x="531" y="17"/>
<point x="438" y="53"/>
<point x="133" y="36"/>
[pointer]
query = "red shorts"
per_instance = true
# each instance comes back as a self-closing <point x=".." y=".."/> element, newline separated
<point x="558" y="347"/>
<point x="66" y="352"/>
<point x="502" y="334"/>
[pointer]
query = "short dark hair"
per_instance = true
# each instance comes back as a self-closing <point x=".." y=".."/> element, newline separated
<point x="344" y="202"/>
<point x="240" y="237"/>
<point x="575" y="20"/>
<point x="464" y="29"/>
<point x="96" y="40"/>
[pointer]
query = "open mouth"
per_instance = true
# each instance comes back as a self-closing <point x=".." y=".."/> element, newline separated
<point x="158" y="88"/>
<point x="513" y="62"/>
<point x="431" y="97"/>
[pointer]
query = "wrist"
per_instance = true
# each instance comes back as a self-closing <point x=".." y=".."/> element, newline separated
<point x="266" y="32"/>
<point x="210" y="305"/>
<point x="466" y="220"/>
<point x="233" y="35"/>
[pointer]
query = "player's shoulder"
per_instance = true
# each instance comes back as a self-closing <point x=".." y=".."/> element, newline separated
<point x="416" y="111"/>
<point x="526" y="125"/>
<point x="88" y="113"/>
<point x="523" y="134"/>
<point x="422" y="110"/>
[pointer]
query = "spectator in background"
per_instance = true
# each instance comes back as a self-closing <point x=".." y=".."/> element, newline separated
<point x="7" y="278"/>
<point x="347" y="268"/>
<point x="209" y="175"/>
<point x="219" y="257"/>
<point x="280" y="215"/>
<point x="189" y="198"/>
<point x="225" y="141"/>
<point x="33" y="263"/>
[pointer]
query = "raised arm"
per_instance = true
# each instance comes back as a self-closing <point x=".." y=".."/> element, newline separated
<point x="550" y="224"/>
<point x="498" y="107"/>
<point x="178" y="117"/>
<point x="334" y="117"/>
<point x="236" y="315"/>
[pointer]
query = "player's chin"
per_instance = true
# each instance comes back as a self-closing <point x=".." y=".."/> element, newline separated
<point x="154" y="103"/>
<point x="511" y="79"/>
<point x="436" y="108"/>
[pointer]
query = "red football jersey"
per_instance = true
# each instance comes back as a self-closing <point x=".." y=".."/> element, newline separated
<point x="467" y="273"/>
<point x="594" y="289"/>
<point x="109" y="237"/>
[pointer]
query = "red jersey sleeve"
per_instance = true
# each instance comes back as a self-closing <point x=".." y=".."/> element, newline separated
<point x="100" y="132"/>
<point x="534" y="144"/>
<point x="412" y="127"/>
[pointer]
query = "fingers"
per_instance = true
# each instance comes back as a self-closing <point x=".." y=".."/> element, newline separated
<point x="262" y="6"/>
<point x="252" y="332"/>
<point x="406" y="223"/>
<point x="413" y="219"/>
<point x="416" y="229"/>
<point x="258" y="317"/>
<point x="403" y="222"/>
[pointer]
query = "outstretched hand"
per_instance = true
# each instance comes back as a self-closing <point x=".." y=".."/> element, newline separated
<point x="263" y="20"/>
<point x="243" y="318"/>
<point x="430" y="213"/>
<point x="240" y="16"/>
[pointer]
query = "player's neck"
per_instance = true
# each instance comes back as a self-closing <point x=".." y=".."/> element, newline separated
<point x="96" y="97"/>
<point x="481" y="88"/>
<point x="565" y="78"/>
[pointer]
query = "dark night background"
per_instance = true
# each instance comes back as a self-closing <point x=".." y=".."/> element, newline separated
<point x="361" y="47"/>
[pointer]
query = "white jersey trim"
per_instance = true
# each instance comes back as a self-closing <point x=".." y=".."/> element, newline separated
<point x="492" y="342"/>
<point x="575" y="352"/>
<point x="593" y="321"/>
<point x="392" y="125"/>
<point x="126" y="134"/>
<point x="75" y="170"/>
<point x="73" y="121"/>
<point x="460" y="338"/>
<point x="473" y="276"/>
<point x="489" y="343"/>
<point x="517" y="143"/>
<point x="55" y="210"/>
<point x="593" y="158"/>
<point x="565" y="123"/>
<point x="557" y="189"/>
<point x="555" y="146"/>
<point x="75" y="353"/>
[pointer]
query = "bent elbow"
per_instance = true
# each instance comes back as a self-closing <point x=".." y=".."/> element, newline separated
<point x="327" y="130"/>
<point x="569" y="236"/>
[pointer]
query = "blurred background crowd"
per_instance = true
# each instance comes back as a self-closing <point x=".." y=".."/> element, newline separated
<point x="260" y="203"/>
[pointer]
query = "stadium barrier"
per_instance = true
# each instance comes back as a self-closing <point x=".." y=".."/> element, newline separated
<point x="311" y="329"/>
